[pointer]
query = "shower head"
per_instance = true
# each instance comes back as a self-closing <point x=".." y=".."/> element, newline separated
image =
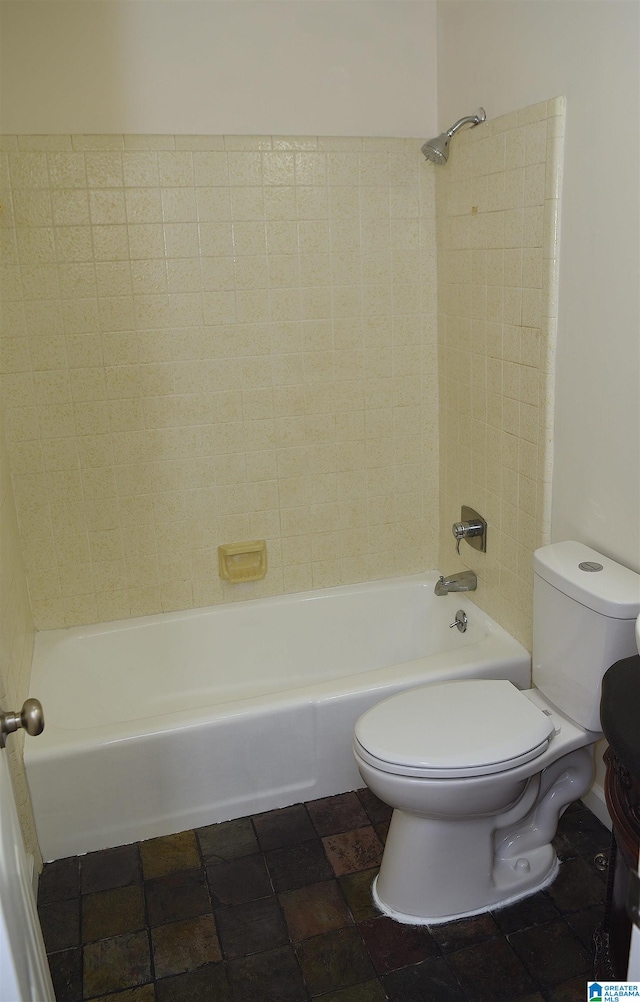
<point x="437" y="150"/>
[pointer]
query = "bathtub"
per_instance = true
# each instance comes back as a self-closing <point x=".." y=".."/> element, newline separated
<point x="169" y="722"/>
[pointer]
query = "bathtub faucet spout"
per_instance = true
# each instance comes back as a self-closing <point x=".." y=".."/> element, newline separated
<point x="463" y="581"/>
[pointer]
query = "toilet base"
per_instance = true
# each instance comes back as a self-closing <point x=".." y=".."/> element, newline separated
<point x="434" y="871"/>
<point x="422" y="920"/>
<point x="437" y="868"/>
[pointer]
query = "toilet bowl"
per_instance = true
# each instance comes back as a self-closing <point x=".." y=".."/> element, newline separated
<point x="478" y="772"/>
<point x="471" y="837"/>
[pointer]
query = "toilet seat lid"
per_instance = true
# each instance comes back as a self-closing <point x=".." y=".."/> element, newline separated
<point x="453" y="729"/>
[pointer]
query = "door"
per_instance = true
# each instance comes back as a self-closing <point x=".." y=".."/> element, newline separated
<point x="633" y="905"/>
<point x="24" y="972"/>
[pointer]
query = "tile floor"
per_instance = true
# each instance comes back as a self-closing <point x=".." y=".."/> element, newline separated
<point x="276" y="908"/>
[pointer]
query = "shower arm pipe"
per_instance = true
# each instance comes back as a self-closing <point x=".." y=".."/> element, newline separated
<point x="472" y="120"/>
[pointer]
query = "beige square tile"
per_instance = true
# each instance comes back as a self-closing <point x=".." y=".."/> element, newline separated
<point x="107" y="206"/>
<point x="92" y="417"/>
<point x="279" y="203"/>
<point x="150" y="277"/>
<point x="113" y="278"/>
<point x="534" y="184"/>
<point x="146" y="241"/>
<point x="140" y="169"/>
<point x="178" y="205"/>
<point x="181" y="239"/>
<point x="536" y="142"/>
<point x="281" y="236"/>
<point x="312" y="202"/>
<point x="36" y="245"/>
<point x="245" y="168"/>
<point x="111" y="243"/>
<point x="176" y="169"/>
<point x="87" y="384"/>
<point x="112" y="605"/>
<point x="66" y="170"/>
<point x="213" y="204"/>
<point x="116" y="313"/>
<point x="532" y="226"/>
<point x="143" y="205"/>
<point x="283" y="271"/>
<point x="32" y="208"/>
<point x="210" y="168"/>
<point x="183" y="275"/>
<point x="28" y="170"/>
<point x="310" y="168"/>
<point x="217" y="239"/>
<point x="145" y="601"/>
<point x="532" y="268"/>
<point x="278" y="168"/>
<point x="70" y="208"/>
<point x="248" y="237"/>
<point x="104" y="169"/>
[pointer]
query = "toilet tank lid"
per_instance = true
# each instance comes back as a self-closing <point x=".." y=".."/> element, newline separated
<point x="613" y="591"/>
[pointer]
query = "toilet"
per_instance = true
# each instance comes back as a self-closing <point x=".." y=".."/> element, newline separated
<point x="478" y="772"/>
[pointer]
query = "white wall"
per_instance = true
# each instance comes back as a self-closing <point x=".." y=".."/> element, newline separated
<point x="507" y="55"/>
<point x="219" y="67"/>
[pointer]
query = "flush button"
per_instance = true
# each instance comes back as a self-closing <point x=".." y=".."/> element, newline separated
<point x="590" y="565"/>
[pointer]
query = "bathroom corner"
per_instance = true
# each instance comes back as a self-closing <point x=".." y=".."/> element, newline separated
<point x="498" y="210"/>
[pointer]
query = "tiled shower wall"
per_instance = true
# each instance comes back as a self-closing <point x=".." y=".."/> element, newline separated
<point x="498" y="213"/>
<point x="210" y="339"/>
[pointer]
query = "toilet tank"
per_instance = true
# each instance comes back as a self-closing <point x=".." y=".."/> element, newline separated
<point x="583" y="622"/>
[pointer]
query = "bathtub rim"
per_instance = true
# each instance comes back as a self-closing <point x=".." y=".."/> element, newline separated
<point x="495" y="644"/>
<point x="422" y="578"/>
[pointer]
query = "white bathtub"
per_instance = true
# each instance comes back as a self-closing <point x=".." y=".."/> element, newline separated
<point x="174" y="721"/>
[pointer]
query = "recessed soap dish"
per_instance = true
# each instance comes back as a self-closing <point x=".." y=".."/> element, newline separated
<point x="246" y="561"/>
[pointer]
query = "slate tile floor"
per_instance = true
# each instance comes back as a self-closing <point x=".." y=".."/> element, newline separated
<point x="276" y="908"/>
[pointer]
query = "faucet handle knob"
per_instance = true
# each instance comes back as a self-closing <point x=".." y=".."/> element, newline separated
<point x="466" y="530"/>
<point x="458" y="531"/>
<point x="473" y="526"/>
<point x="461" y="621"/>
